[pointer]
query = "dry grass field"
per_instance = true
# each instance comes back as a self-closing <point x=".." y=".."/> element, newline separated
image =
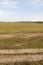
<point x="21" y="35"/>
<point x="20" y="27"/>
<point x="18" y="36"/>
<point x="21" y="43"/>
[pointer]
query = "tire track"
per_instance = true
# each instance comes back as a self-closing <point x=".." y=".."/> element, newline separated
<point x="17" y="51"/>
<point x="20" y="58"/>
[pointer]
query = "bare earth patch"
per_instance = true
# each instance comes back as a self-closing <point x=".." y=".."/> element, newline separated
<point x="16" y="51"/>
<point x="5" y="57"/>
<point x="24" y="35"/>
<point x="21" y="58"/>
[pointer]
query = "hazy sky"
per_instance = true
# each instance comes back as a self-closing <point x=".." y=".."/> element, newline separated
<point x="21" y="10"/>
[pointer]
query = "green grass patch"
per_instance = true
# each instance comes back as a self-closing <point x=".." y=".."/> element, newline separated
<point x="18" y="42"/>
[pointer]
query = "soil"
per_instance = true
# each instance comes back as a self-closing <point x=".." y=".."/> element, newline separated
<point x="24" y="35"/>
<point x="21" y="58"/>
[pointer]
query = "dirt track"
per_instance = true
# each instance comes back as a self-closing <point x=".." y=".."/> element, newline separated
<point x="20" y="58"/>
<point x="16" y="51"/>
<point x="20" y="35"/>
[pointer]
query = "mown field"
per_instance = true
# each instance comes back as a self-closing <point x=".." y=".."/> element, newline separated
<point x="18" y="42"/>
<point x="24" y="63"/>
<point x="20" y="27"/>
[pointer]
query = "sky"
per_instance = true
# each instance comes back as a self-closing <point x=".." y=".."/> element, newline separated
<point x="21" y="10"/>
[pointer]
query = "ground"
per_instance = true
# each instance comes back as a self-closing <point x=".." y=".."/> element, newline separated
<point x="21" y="42"/>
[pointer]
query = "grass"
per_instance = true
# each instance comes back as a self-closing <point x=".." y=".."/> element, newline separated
<point x="18" y="54"/>
<point x="18" y="42"/>
<point x="24" y="63"/>
<point x="20" y="27"/>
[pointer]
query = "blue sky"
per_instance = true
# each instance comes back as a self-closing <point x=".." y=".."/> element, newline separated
<point x="21" y="10"/>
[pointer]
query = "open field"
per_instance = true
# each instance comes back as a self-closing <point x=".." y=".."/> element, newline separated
<point x="21" y="43"/>
<point x="20" y="27"/>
